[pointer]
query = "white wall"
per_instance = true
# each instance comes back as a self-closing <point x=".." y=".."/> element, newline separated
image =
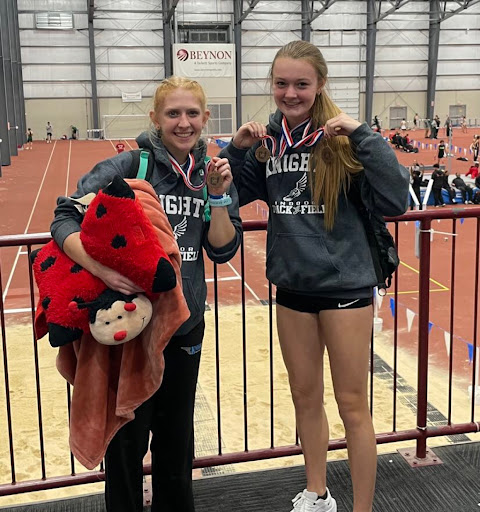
<point x="130" y="55"/>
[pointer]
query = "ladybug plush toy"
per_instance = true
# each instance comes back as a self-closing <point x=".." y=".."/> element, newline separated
<point x="117" y="233"/>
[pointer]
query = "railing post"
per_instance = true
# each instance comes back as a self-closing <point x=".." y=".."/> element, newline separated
<point x="423" y="321"/>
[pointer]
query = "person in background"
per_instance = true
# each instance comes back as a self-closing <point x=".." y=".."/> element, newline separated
<point x="303" y="170"/>
<point x="473" y="171"/>
<point x="466" y="190"/>
<point x="29" y="144"/>
<point x="475" y="147"/>
<point x="49" y="129"/>
<point x="448" y="127"/>
<point x="441" y="151"/>
<point x="464" y="124"/>
<point x="428" y="126"/>
<point x="438" y="182"/>
<point x="416" y="122"/>
<point x="403" y="125"/>
<point x="446" y="186"/>
<point x="179" y="179"/>
<point x="416" y="173"/>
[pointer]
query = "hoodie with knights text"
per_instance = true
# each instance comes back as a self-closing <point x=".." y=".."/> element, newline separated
<point x="302" y="257"/>
<point x="183" y="206"/>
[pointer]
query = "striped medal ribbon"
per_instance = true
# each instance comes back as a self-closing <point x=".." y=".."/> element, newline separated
<point x="187" y="174"/>
<point x="306" y="139"/>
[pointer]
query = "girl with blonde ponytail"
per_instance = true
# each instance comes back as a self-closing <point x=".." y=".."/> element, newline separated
<point x="301" y="164"/>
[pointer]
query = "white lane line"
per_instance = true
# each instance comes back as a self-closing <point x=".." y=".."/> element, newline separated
<point x="68" y="168"/>
<point x="114" y="148"/>
<point x="130" y="146"/>
<point x="28" y="223"/>
<point x="246" y="284"/>
<point x="21" y="310"/>
<point x="23" y="252"/>
<point x="232" y="278"/>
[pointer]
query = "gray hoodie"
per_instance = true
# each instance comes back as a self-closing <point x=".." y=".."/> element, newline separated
<point x="184" y="209"/>
<point x="302" y="256"/>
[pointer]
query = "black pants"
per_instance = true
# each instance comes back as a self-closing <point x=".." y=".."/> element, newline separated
<point x="451" y="193"/>
<point x="168" y="414"/>
<point x="437" y="196"/>
<point x="467" y="193"/>
<point x="416" y="191"/>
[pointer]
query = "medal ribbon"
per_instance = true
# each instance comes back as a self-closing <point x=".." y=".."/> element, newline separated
<point x="273" y="140"/>
<point x="186" y="175"/>
<point x="305" y="140"/>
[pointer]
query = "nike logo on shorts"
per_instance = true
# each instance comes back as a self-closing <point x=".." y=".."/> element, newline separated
<point x="347" y="304"/>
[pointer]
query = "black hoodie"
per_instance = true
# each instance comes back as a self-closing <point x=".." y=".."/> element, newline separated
<point x="301" y="255"/>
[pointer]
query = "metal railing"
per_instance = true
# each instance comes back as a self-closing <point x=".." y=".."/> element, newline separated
<point x="420" y="432"/>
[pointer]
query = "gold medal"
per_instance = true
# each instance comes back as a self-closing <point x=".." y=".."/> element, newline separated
<point x="262" y="154"/>
<point x="327" y="155"/>
<point x="214" y="179"/>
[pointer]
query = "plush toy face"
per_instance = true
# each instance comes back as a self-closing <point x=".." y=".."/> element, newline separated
<point x="122" y="321"/>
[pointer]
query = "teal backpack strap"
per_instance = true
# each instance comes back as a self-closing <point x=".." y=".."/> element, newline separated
<point x="143" y="165"/>
<point x="206" y="208"/>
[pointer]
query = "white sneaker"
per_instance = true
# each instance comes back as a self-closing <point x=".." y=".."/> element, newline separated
<point x="307" y="501"/>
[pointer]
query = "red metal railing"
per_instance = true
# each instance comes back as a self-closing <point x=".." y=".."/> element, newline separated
<point x="422" y="431"/>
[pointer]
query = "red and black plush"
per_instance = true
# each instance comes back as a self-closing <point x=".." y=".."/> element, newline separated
<point x="117" y="233"/>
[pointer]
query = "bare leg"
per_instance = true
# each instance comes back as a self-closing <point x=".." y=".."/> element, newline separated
<point x="302" y="352"/>
<point x="347" y="337"/>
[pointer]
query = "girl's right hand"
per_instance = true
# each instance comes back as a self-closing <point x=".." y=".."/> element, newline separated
<point x="115" y="281"/>
<point x="248" y="134"/>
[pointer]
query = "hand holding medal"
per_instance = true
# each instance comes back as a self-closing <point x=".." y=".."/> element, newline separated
<point x="219" y="176"/>
<point x="248" y="134"/>
<point x="340" y="125"/>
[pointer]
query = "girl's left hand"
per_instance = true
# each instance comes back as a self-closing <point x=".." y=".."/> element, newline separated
<point x="340" y="125"/>
<point x="222" y="166"/>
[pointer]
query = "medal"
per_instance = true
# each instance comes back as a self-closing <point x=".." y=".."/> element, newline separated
<point x="262" y="154"/>
<point x="214" y="179"/>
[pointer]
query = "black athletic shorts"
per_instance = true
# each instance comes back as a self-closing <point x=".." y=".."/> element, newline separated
<point x="314" y="304"/>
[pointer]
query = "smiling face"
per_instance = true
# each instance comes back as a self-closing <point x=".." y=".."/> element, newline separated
<point x="180" y="117"/>
<point x="295" y="85"/>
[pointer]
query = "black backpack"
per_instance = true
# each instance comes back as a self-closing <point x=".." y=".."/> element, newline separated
<point x="382" y="246"/>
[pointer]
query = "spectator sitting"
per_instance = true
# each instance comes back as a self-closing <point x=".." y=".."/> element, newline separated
<point x="477" y="181"/>
<point x="448" y="188"/>
<point x="473" y="171"/>
<point x="466" y="190"/>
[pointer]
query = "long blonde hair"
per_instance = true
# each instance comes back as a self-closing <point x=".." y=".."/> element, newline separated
<point x="326" y="178"/>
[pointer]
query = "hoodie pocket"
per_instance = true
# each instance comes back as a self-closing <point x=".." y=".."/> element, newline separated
<point x="190" y="296"/>
<point x="302" y="263"/>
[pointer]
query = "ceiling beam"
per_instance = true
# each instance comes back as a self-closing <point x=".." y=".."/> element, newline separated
<point x="463" y="5"/>
<point x="396" y="6"/>
<point x="325" y="5"/>
<point x="91" y="9"/>
<point x="251" y="6"/>
<point x="170" y="10"/>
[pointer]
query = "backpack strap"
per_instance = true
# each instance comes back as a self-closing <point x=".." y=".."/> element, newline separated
<point x="206" y="208"/>
<point x="142" y="164"/>
<point x="355" y="196"/>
